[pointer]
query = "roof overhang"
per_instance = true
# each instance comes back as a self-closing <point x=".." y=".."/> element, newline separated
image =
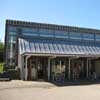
<point x="61" y="55"/>
<point x="53" y="49"/>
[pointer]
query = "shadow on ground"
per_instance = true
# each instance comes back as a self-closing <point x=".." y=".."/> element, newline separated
<point x="76" y="83"/>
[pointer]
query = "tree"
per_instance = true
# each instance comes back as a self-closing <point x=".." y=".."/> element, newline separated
<point x="1" y="51"/>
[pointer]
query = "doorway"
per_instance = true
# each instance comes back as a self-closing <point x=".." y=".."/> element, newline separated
<point x="37" y="68"/>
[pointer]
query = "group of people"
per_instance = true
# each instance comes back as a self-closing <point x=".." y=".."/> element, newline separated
<point x="92" y="75"/>
<point x="79" y="73"/>
<point x="76" y="71"/>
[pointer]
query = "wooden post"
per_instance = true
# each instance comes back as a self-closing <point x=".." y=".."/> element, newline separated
<point x="60" y="66"/>
<point x="87" y="67"/>
<point x="69" y="70"/>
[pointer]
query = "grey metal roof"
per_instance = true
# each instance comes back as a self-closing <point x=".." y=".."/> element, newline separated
<point x="56" y="48"/>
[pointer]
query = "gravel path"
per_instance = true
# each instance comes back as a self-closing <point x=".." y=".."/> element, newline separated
<point x="21" y="90"/>
<point x="24" y="84"/>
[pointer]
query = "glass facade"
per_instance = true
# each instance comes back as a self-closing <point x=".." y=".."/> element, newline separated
<point x="75" y="40"/>
<point x="52" y="51"/>
<point x="73" y="35"/>
<point x="97" y="37"/>
<point x="55" y="34"/>
<point x="60" y="34"/>
<point x="88" y="36"/>
<point x="11" y="46"/>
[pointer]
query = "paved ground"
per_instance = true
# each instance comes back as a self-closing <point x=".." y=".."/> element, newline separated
<point x="19" y="90"/>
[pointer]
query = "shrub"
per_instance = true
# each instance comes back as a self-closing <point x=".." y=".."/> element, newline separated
<point x="1" y="67"/>
<point x="14" y="74"/>
<point x="11" y="74"/>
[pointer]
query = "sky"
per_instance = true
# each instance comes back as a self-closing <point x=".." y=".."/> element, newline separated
<point x="81" y="13"/>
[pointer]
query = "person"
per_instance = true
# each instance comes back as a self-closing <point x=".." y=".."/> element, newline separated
<point x="94" y="75"/>
<point x="29" y="72"/>
<point x="79" y="71"/>
<point x="34" y="73"/>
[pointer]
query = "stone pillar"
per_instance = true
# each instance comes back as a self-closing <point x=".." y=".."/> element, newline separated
<point x="48" y="69"/>
<point x="26" y="70"/>
<point x="22" y="77"/>
<point x="21" y="68"/>
<point x="20" y="65"/>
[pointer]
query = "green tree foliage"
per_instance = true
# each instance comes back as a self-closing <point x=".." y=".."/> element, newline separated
<point x="1" y="51"/>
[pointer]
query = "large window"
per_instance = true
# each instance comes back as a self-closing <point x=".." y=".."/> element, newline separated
<point x="88" y="36"/>
<point x="12" y="42"/>
<point x="11" y="48"/>
<point x="12" y="38"/>
<point x="30" y="32"/>
<point x="46" y="33"/>
<point x="97" y="37"/>
<point x="74" y="35"/>
<point x="61" y="34"/>
<point x="12" y="33"/>
<point x="12" y="29"/>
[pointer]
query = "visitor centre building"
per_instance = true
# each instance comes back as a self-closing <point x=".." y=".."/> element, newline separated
<point x="52" y="52"/>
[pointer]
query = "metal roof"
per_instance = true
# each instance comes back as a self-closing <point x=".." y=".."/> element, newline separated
<point x="41" y="47"/>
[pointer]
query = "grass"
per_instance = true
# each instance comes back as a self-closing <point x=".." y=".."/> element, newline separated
<point x="1" y="67"/>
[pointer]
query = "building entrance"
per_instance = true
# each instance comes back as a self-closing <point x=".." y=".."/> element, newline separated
<point x="78" y="69"/>
<point x="82" y="68"/>
<point x="60" y="68"/>
<point x="37" y="68"/>
<point x="42" y="64"/>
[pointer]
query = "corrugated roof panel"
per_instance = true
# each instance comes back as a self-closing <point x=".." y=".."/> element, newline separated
<point x="52" y="50"/>
<point x="37" y="48"/>
<point x="64" y="48"/>
<point x="46" y="46"/>
<point x="27" y="46"/>
<point x="56" y="48"/>
<point x="68" y="49"/>
<point x="32" y="47"/>
<point x="42" y="48"/>
<point x="59" y="46"/>
<point x="51" y="47"/>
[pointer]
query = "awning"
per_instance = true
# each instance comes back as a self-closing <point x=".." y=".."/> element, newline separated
<point x="56" y="48"/>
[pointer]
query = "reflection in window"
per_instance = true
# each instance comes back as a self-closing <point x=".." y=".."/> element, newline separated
<point x="30" y="34"/>
<point x="12" y="39"/>
<point x="12" y="29"/>
<point x="29" y="30"/>
<point x="46" y="32"/>
<point x="12" y="33"/>
<point x="61" y="34"/>
<point x="88" y="36"/>
<point x="97" y="36"/>
<point x="74" y="35"/>
<point x="12" y="47"/>
<point x="12" y="50"/>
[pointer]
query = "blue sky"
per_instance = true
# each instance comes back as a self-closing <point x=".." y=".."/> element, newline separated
<point x="82" y="13"/>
